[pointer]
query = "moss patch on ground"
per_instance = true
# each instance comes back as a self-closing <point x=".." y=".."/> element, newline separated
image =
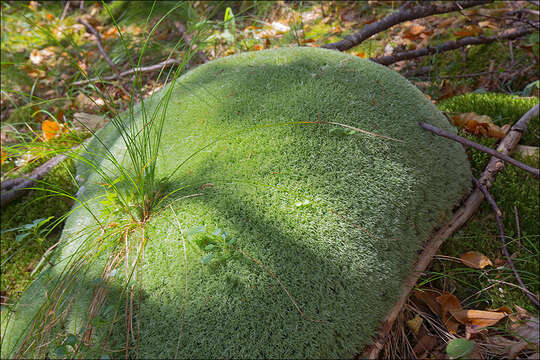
<point x="514" y="190"/>
<point x="17" y="269"/>
<point x="336" y="215"/>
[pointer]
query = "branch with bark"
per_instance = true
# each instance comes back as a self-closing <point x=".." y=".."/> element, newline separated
<point x="452" y="45"/>
<point x="405" y="13"/>
<point x="440" y="132"/>
<point x="143" y="69"/>
<point x="460" y="217"/>
<point x="12" y="189"/>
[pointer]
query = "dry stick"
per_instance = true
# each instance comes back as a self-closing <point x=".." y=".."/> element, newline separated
<point x="498" y="214"/>
<point x="91" y="29"/>
<point x="118" y="74"/>
<point x="460" y="217"/>
<point x="452" y="45"/>
<point x="132" y="71"/>
<point x="13" y="189"/>
<point x="404" y="13"/>
<point x="490" y="151"/>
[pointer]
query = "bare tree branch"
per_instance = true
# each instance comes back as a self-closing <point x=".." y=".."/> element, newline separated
<point x="12" y="189"/>
<point x="460" y="217"/>
<point x="503" y="242"/>
<point x="440" y="132"/>
<point x="155" y="67"/>
<point x="451" y="45"/>
<point x="91" y="29"/>
<point x="405" y="13"/>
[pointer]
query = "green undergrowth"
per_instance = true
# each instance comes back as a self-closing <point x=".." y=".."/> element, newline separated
<point x="16" y="272"/>
<point x="513" y="190"/>
<point x="293" y="234"/>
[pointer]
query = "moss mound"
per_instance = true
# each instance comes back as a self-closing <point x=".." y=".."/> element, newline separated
<point x="336" y="216"/>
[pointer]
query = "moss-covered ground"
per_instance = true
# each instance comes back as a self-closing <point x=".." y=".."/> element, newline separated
<point x="516" y="193"/>
<point x="337" y="217"/>
<point x="47" y="80"/>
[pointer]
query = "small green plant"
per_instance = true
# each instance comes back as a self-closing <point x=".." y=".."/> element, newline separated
<point x="459" y="348"/>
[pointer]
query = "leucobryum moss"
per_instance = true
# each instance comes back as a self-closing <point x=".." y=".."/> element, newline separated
<point x="295" y="213"/>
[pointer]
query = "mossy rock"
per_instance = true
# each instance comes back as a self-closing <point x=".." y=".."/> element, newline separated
<point x="337" y="216"/>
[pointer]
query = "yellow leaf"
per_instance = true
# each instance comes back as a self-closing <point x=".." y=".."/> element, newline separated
<point x="3" y="157"/>
<point x="415" y="324"/>
<point x="475" y="260"/>
<point x="50" y="129"/>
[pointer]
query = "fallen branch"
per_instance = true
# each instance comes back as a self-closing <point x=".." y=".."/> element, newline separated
<point x="460" y="217"/>
<point x="503" y="242"/>
<point x="490" y="151"/>
<point x="150" y="68"/>
<point x="12" y="189"/>
<point x="405" y="13"/>
<point x="451" y="45"/>
<point x="91" y="29"/>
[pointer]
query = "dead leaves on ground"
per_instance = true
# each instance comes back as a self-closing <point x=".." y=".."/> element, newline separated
<point x="479" y="125"/>
<point x="475" y="260"/>
<point x="521" y="334"/>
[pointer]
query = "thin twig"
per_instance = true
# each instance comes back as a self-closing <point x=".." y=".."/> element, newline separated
<point x="517" y="227"/>
<point x="452" y="45"/>
<point x="503" y="242"/>
<point x="460" y="217"/>
<point x="155" y="67"/>
<point x="467" y="142"/>
<point x="91" y="29"/>
<point x="404" y="13"/>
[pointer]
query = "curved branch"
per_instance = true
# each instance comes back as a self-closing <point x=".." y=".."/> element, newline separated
<point x="405" y="13"/>
<point x="451" y="45"/>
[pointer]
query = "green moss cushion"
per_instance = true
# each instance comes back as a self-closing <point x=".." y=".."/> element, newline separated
<point x="334" y="217"/>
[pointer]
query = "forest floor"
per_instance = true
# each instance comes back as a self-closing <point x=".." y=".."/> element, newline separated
<point x="47" y="107"/>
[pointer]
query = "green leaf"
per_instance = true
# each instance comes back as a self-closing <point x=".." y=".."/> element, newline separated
<point x="207" y="258"/>
<point x="21" y="237"/>
<point x="209" y="247"/>
<point x="194" y="230"/>
<point x="231" y="241"/>
<point x="458" y="348"/>
<point x="61" y="351"/>
<point x="302" y="203"/>
<point x="71" y="340"/>
<point x="229" y="16"/>
<point x="43" y="221"/>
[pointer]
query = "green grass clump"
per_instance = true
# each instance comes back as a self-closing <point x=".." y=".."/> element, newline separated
<point x="274" y="208"/>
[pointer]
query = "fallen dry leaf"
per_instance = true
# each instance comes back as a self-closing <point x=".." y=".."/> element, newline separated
<point x="50" y="129"/>
<point x="475" y="260"/>
<point x="449" y="306"/>
<point x="469" y="30"/>
<point x="425" y="345"/>
<point x="479" y="125"/>
<point x="415" y="323"/>
<point x="479" y="318"/>
<point x="414" y="31"/>
<point x="429" y="297"/>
